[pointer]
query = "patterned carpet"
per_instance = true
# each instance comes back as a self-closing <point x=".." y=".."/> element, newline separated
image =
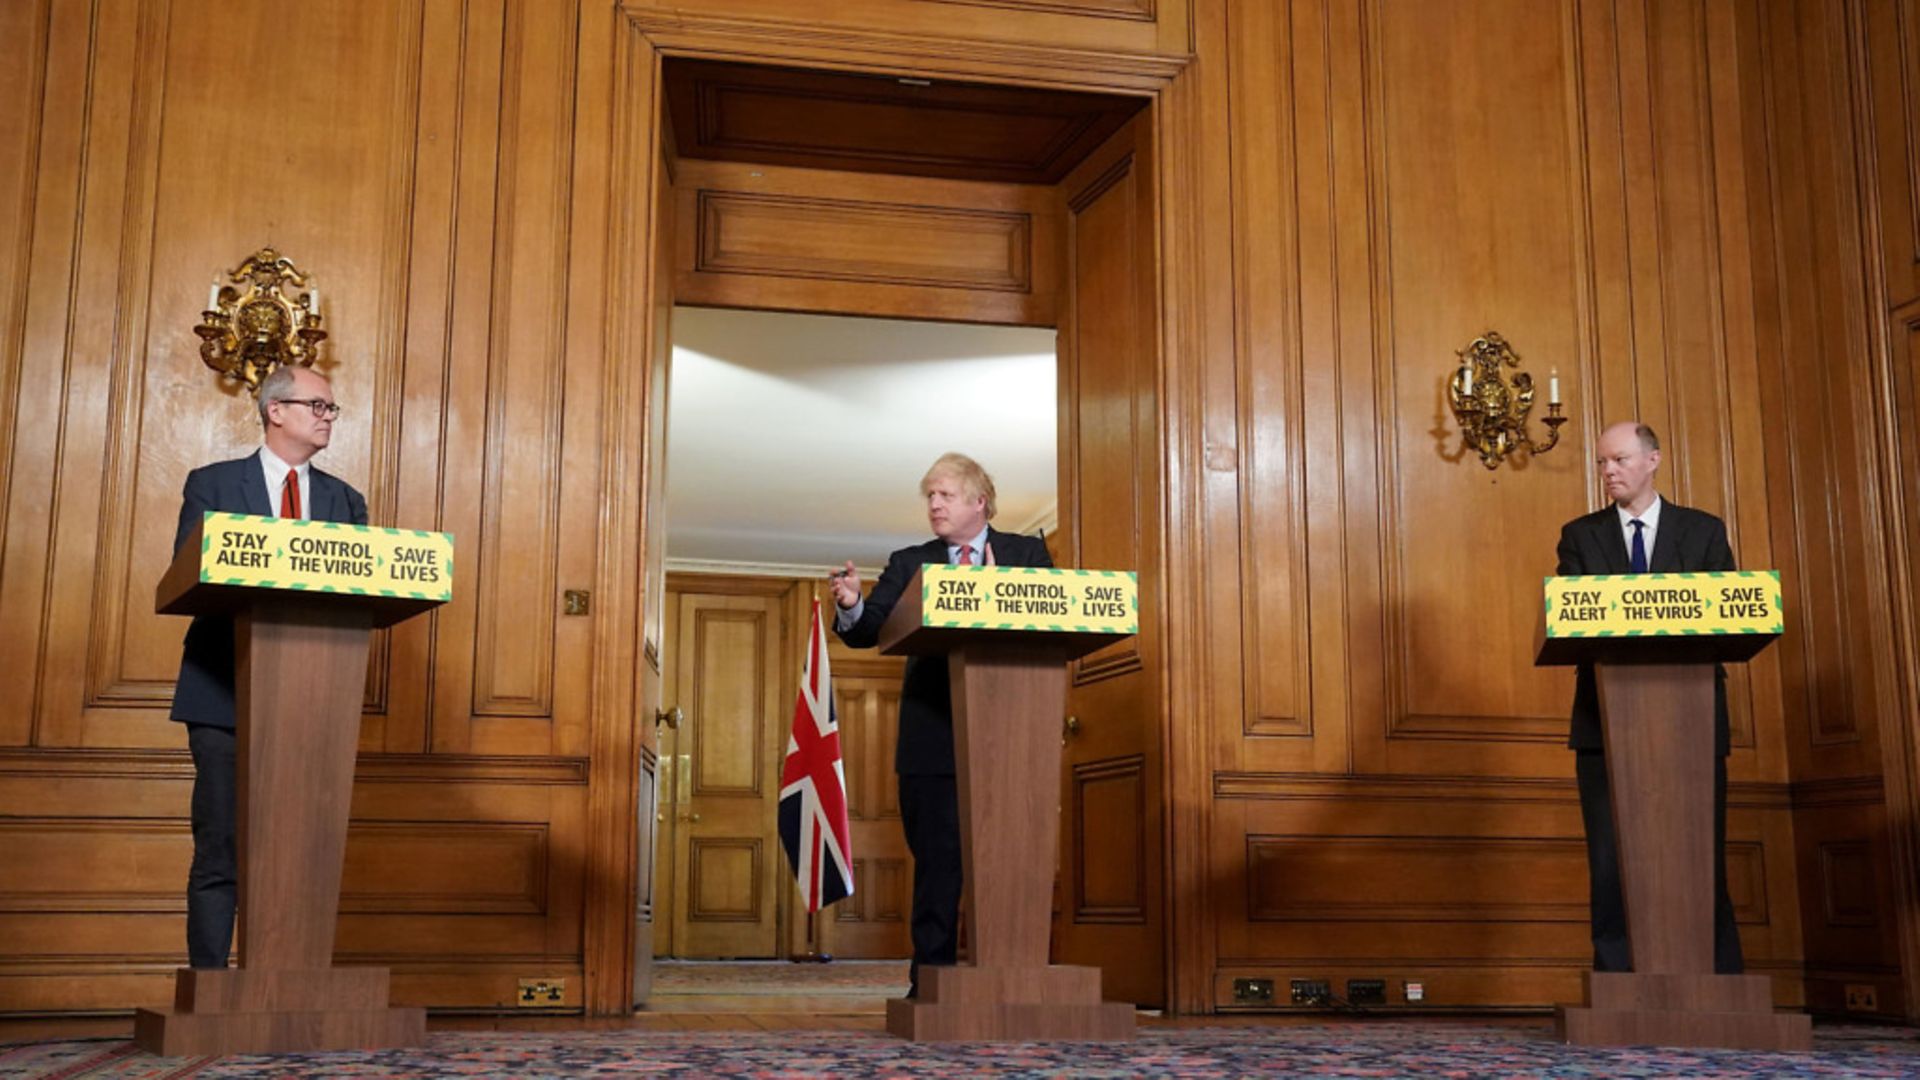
<point x="1371" y="1050"/>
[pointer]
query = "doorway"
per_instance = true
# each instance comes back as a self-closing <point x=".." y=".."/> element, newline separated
<point x="797" y="443"/>
<point x="863" y="195"/>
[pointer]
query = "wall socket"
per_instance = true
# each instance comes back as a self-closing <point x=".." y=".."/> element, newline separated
<point x="1366" y="991"/>
<point x="1314" y="993"/>
<point x="1863" y="997"/>
<point x="1253" y="991"/>
<point x="541" y="993"/>
<point x="1413" y="992"/>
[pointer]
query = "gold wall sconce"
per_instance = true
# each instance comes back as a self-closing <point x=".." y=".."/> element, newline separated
<point x="254" y="323"/>
<point x="1492" y="408"/>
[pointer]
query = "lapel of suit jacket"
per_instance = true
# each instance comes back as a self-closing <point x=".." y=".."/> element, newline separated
<point x="326" y="496"/>
<point x="933" y="551"/>
<point x="253" y="486"/>
<point x="1613" y="541"/>
<point x="1665" y="557"/>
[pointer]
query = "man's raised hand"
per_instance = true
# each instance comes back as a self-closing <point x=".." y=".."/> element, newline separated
<point x="846" y="585"/>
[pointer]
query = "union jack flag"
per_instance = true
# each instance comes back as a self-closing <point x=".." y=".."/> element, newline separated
<point x="813" y="786"/>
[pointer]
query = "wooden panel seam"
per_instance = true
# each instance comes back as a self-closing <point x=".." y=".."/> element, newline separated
<point x="1378" y="787"/>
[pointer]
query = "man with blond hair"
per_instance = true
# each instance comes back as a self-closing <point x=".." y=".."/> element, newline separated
<point x="960" y="501"/>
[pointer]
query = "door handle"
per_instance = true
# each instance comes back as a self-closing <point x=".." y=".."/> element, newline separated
<point x="670" y="717"/>
<point x="1069" y="729"/>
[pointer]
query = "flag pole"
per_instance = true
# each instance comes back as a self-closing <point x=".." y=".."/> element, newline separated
<point x="813" y="955"/>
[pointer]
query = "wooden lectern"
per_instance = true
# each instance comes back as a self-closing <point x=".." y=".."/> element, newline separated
<point x="300" y="678"/>
<point x="1657" y="713"/>
<point x="1009" y="695"/>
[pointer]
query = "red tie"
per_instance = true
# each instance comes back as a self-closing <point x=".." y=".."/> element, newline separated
<point x="290" y="495"/>
<point x="966" y="556"/>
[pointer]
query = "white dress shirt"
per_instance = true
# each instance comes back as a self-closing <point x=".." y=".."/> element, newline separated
<point x="276" y="471"/>
<point x="978" y="545"/>
<point x="1650" y="519"/>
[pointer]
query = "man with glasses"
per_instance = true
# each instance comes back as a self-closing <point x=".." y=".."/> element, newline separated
<point x="297" y="412"/>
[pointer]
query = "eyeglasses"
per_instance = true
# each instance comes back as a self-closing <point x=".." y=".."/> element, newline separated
<point x="322" y="408"/>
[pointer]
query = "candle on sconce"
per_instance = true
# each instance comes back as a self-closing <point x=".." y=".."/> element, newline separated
<point x="1553" y="387"/>
<point x="313" y="300"/>
<point x="1466" y="378"/>
<point x="213" y="297"/>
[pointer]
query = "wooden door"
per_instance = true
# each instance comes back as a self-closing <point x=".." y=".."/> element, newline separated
<point x="651" y="706"/>
<point x="727" y="670"/>
<point x="1111" y="907"/>
<point x="872" y="923"/>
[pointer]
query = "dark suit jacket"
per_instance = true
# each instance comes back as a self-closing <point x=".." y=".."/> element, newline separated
<point x="1687" y="540"/>
<point x="204" y="692"/>
<point x="926" y="702"/>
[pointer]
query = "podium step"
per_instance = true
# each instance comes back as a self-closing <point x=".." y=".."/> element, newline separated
<point x="1761" y="1030"/>
<point x="1627" y="991"/>
<point x="178" y="1034"/>
<point x="226" y="990"/>
<point x="967" y="984"/>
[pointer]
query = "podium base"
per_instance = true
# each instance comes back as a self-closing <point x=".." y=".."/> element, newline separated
<point x="180" y="1034"/>
<point x="1732" y="1012"/>
<point x="967" y="1003"/>
<point x="245" y="1011"/>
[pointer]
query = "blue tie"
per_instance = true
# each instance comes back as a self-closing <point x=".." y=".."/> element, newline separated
<point x="1639" y="554"/>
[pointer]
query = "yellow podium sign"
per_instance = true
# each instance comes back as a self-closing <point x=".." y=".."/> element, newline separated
<point x="325" y="557"/>
<point x="1029" y="598"/>
<point x="1724" y="602"/>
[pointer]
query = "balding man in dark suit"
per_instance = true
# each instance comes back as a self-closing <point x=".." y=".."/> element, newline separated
<point x="1640" y="533"/>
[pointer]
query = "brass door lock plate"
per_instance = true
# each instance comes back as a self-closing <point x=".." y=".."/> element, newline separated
<point x="577" y="601"/>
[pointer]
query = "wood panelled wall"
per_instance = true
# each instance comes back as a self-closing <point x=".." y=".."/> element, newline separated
<point x="1701" y="212"/>
<point x="1887" y="38"/>
<point x="1391" y="778"/>
<point x="432" y="167"/>
<point x="1833" y="226"/>
<point x="1387" y="770"/>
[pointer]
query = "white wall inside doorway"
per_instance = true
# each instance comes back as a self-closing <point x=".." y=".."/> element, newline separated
<point x="797" y="441"/>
